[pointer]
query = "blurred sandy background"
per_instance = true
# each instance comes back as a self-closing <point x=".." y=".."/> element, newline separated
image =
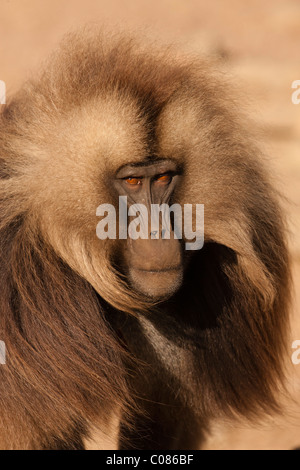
<point x="259" y="43"/>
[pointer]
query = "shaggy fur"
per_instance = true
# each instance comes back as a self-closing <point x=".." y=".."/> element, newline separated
<point x="81" y="344"/>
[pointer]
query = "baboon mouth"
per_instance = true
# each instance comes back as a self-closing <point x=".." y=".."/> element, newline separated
<point x="156" y="271"/>
<point x="157" y="283"/>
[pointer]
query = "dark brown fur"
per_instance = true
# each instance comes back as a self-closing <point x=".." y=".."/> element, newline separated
<point x="76" y="334"/>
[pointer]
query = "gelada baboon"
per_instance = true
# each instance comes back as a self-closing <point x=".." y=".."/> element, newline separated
<point x="143" y="331"/>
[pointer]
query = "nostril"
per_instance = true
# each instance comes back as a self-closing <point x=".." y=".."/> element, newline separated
<point x="155" y="234"/>
<point x="165" y="234"/>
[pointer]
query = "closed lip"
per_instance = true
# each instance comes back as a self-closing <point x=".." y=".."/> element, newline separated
<point x="155" y="271"/>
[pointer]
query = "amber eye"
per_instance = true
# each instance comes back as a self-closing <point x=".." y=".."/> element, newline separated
<point x="133" y="181"/>
<point x="164" y="179"/>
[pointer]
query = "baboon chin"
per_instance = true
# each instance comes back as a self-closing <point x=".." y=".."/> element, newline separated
<point x="153" y="332"/>
<point x="159" y="285"/>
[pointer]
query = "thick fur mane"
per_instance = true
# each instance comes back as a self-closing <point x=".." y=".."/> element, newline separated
<point x="99" y="101"/>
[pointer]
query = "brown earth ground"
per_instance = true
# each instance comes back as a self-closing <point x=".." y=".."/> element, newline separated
<point x="259" y="43"/>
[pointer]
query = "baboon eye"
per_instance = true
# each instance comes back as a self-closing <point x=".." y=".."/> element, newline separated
<point x="163" y="179"/>
<point x="133" y="181"/>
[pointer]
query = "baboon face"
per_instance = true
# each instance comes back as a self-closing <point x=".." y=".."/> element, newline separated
<point x="111" y="119"/>
<point x="153" y="262"/>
